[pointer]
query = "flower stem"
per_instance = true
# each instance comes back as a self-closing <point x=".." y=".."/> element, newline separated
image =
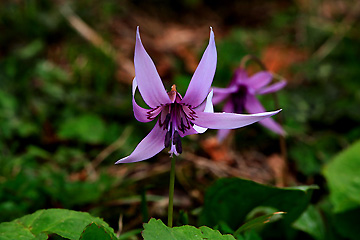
<point x="249" y="57"/>
<point x="171" y="192"/>
<point x="282" y="142"/>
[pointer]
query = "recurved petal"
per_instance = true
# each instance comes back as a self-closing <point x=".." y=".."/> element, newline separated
<point x="208" y="108"/>
<point x="229" y="120"/>
<point x="252" y="105"/>
<point x="222" y="133"/>
<point x="190" y="131"/>
<point x="200" y="83"/>
<point x="259" y="80"/>
<point x="272" y="88"/>
<point x="150" y="85"/>
<point x="221" y="94"/>
<point x="240" y="76"/>
<point x="139" y="112"/>
<point x="152" y="144"/>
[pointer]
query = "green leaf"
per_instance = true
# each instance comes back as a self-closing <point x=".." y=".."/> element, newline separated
<point x="342" y="175"/>
<point x="88" y="128"/>
<point x="249" y="235"/>
<point x="31" y="49"/>
<point x="347" y="223"/>
<point x="312" y="223"/>
<point x="230" y="200"/>
<point x="12" y="230"/>
<point x="96" y="232"/>
<point x="129" y="234"/>
<point x="259" y="221"/>
<point x="156" y="229"/>
<point x="65" y="223"/>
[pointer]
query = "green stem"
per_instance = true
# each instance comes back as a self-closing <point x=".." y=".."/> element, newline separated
<point x="249" y="57"/>
<point x="282" y="142"/>
<point x="171" y="192"/>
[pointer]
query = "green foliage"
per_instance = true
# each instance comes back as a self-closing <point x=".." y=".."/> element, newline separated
<point x="228" y="195"/>
<point x="65" y="223"/>
<point x="259" y="221"/>
<point x="342" y="176"/>
<point x="156" y="229"/>
<point x="346" y="223"/>
<point x="250" y="235"/>
<point x="95" y="232"/>
<point x="87" y="128"/>
<point x="311" y="222"/>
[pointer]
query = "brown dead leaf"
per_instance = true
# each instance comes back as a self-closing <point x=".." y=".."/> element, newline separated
<point x="278" y="58"/>
<point x="217" y="151"/>
<point x="278" y="165"/>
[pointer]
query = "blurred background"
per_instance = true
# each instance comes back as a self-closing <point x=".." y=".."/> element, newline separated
<point x="66" y="69"/>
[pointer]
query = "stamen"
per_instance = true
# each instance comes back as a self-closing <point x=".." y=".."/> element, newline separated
<point x="167" y="139"/>
<point x="182" y="126"/>
<point x="177" y="142"/>
<point x="168" y="136"/>
<point x="167" y="119"/>
<point x="178" y="116"/>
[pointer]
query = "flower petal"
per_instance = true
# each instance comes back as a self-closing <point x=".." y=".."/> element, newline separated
<point x="259" y="80"/>
<point x="191" y="131"/>
<point x="139" y="112"/>
<point x="240" y="77"/>
<point x="150" y="86"/>
<point x="152" y="144"/>
<point x="200" y="83"/>
<point x="272" y="88"/>
<point x="208" y="108"/>
<point x="253" y="105"/>
<point x="221" y="93"/>
<point x="222" y="133"/>
<point x="229" y="120"/>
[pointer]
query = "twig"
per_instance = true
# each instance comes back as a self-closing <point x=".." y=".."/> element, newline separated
<point x="324" y="50"/>
<point x="94" y="38"/>
<point x="120" y="225"/>
<point x="107" y="151"/>
<point x="86" y="31"/>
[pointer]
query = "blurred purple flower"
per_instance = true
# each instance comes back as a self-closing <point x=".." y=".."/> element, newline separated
<point x="241" y="93"/>
<point x="177" y="116"/>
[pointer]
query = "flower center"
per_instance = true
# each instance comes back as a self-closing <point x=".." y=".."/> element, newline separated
<point x="239" y="99"/>
<point x="176" y="118"/>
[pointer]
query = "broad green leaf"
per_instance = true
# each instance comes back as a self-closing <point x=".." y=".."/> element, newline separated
<point x="12" y="230"/>
<point x="156" y="229"/>
<point x="312" y="223"/>
<point x="259" y="221"/>
<point x="249" y="235"/>
<point x="88" y="128"/>
<point x="65" y="223"/>
<point x="96" y="232"/>
<point x="305" y="158"/>
<point x="342" y="175"/>
<point x="230" y="200"/>
<point x="129" y="234"/>
<point x="347" y="223"/>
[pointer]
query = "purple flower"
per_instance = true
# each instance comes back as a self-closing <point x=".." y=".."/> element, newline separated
<point x="178" y="116"/>
<point x="240" y="96"/>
